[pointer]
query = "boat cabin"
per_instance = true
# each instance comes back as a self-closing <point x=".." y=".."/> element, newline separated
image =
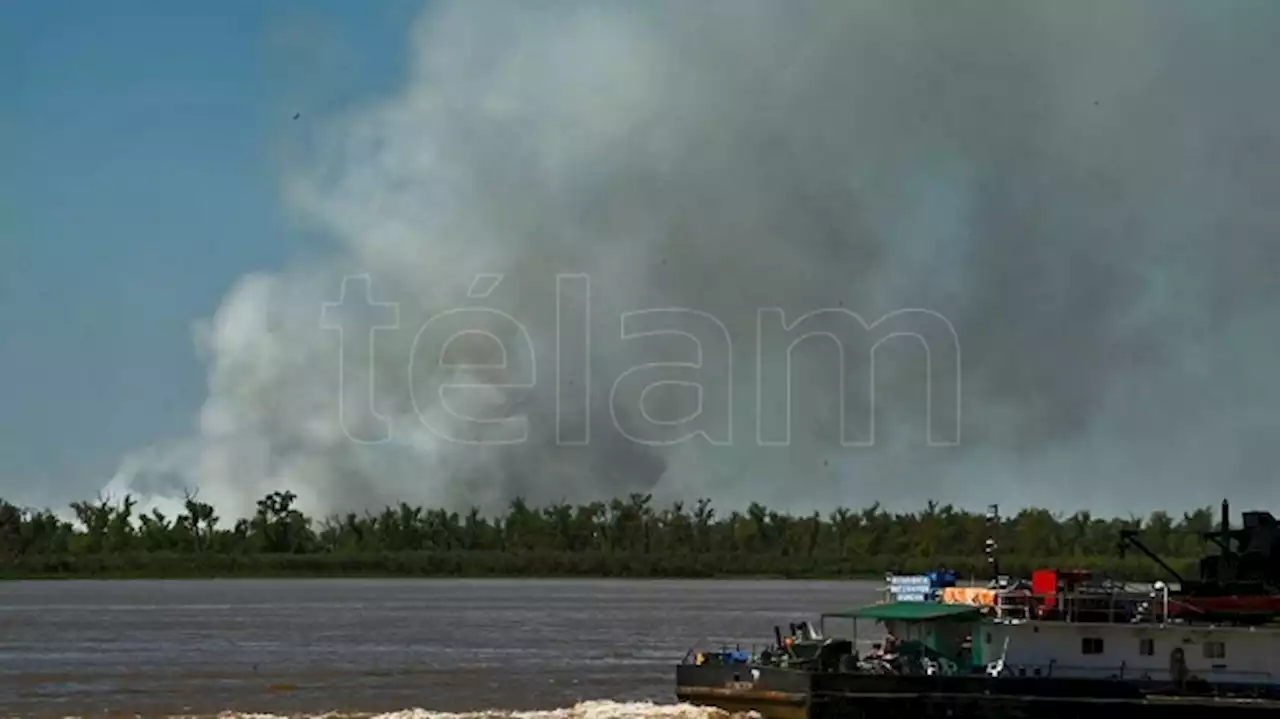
<point x="1149" y="651"/>
<point x="937" y="630"/>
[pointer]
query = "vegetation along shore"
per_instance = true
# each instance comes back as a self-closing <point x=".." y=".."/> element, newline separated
<point x="626" y="537"/>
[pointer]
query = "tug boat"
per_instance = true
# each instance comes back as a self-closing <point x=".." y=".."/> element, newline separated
<point x="1057" y="645"/>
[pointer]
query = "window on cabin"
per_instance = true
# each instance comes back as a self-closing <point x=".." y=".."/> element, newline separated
<point x="1091" y="645"/>
<point x="1215" y="650"/>
<point x="1147" y="647"/>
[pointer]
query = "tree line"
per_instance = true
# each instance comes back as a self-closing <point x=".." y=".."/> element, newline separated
<point x="628" y="536"/>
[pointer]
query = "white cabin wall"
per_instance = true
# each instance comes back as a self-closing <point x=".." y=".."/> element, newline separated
<point x="1252" y="655"/>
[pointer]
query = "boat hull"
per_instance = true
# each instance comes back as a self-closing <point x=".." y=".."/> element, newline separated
<point x="774" y="693"/>
<point x="790" y="694"/>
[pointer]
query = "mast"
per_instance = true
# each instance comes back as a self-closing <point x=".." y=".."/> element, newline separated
<point x="1226" y="526"/>
<point x="993" y="529"/>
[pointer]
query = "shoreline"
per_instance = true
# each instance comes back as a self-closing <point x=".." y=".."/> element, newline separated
<point x="425" y="578"/>
<point x="537" y="566"/>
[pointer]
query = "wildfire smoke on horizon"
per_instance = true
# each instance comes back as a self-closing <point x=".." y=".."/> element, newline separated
<point x="1082" y="191"/>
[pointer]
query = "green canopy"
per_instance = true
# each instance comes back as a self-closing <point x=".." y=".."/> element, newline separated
<point x="911" y="612"/>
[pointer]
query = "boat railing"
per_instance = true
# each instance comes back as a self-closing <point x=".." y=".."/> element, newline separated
<point x="1118" y="607"/>
<point x="1124" y="604"/>
<point x="1154" y="672"/>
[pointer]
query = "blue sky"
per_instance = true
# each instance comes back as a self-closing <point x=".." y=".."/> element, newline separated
<point x="144" y="145"/>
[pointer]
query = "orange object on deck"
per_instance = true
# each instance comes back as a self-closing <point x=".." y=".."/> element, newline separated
<point x="974" y="596"/>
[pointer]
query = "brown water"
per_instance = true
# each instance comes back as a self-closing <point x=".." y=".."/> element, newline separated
<point x="355" y="646"/>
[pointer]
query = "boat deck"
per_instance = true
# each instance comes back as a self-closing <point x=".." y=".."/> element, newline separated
<point x="794" y="694"/>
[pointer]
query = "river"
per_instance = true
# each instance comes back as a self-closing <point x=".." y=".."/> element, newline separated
<point x="360" y="646"/>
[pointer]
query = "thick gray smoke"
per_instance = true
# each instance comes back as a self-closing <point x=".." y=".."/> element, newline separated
<point x="1085" y="192"/>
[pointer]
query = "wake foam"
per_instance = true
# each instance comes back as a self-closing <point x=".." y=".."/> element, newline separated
<point x="582" y="710"/>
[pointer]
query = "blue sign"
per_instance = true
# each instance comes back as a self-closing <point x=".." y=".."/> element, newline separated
<point x="910" y="580"/>
<point x="918" y="587"/>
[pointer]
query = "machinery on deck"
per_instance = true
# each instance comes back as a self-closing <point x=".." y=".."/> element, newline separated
<point x="1239" y="584"/>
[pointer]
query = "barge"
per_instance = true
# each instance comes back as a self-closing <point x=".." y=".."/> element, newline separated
<point x="1062" y="644"/>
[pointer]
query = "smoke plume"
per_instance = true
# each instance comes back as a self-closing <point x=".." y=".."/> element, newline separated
<point x="1084" y="192"/>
